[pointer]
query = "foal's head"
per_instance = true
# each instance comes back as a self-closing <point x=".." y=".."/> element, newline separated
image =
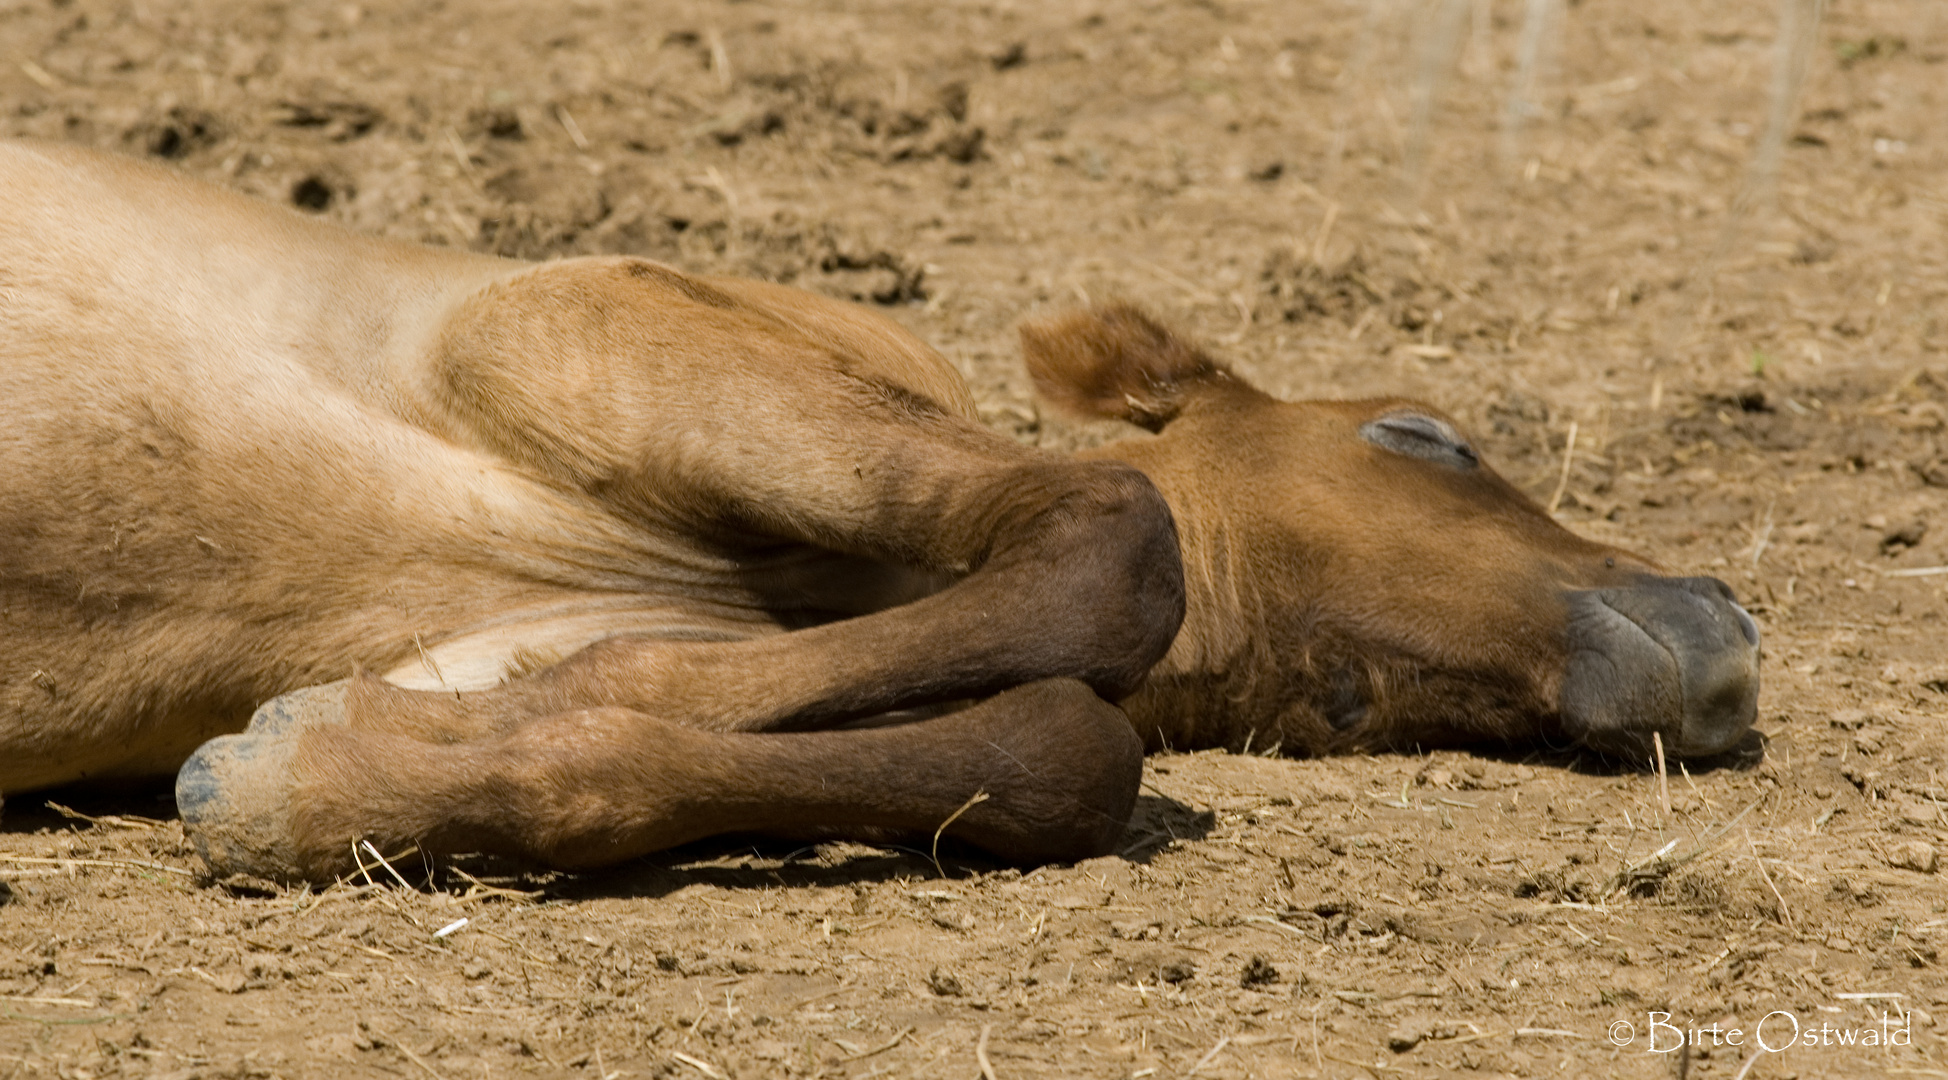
<point x="1360" y="578"/>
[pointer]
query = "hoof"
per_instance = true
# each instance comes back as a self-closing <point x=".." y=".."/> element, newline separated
<point x="234" y="792"/>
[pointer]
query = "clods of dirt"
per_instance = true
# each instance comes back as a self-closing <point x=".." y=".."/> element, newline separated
<point x="1737" y="374"/>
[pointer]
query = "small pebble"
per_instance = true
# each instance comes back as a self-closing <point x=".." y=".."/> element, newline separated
<point x="953" y="921"/>
<point x="1405" y="1038"/>
<point x="1916" y="812"/>
<point x="1916" y="855"/>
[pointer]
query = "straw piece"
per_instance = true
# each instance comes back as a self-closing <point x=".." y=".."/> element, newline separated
<point x="1663" y="774"/>
<point x="1568" y="458"/>
<point x="882" y="1047"/>
<point x="119" y="864"/>
<point x="396" y="875"/>
<point x="698" y="1064"/>
<point x="117" y="821"/>
<point x="981" y="1050"/>
<point x="1210" y="1056"/>
<point x="40" y="75"/>
<point x="1776" y="894"/>
<point x="973" y="800"/>
<point x="415" y="1058"/>
<point x="574" y="129"/>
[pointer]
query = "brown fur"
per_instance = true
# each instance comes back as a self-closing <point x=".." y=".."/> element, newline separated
<point x="1116" y="362"/>
<point x="734" y="510"/>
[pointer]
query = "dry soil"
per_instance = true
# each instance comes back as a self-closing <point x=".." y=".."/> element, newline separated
<point x="1740" y="371"/>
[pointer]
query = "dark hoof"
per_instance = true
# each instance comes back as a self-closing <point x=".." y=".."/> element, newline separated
<point x="234" y="793"/>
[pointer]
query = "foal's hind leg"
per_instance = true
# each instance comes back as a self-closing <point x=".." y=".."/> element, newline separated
<point x="1058" y="768"/>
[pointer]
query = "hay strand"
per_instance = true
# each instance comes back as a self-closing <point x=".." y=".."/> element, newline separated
<point x="1663" y="774"/>
<point x="973" y="800"/>
<point x="981" y="1050"/>
<point x="1568" y="459"/>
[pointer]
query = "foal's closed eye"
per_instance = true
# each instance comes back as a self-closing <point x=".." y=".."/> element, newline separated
<point x="1422" y="436"/>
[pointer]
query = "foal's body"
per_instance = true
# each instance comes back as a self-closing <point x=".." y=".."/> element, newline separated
<point x="232" y="468"/>
<point x="638" y="538"/>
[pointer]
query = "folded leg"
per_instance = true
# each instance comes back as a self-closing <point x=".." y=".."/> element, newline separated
<point x="745" y="435"/>
<point x="590" y="787"/>
<point x="1064" y="569"/>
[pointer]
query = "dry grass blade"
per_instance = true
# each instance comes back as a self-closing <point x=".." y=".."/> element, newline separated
<point x="574" y="129"/>
<point x="40" y="75"/>
<point x="425" y="658"/>
<point x="396" y="875"/>
<point x="1209" y="1056"/>
<point x="113" y="821"/>
<point x="119" y="864"/>
<point x="1276" y="924"/>
<point x="1650" y="871"/>
<point x="981" y="1053"/>
<point x="883" y="1047"/>
<point x="1191" y="289"/>
<point x="719" y="58"/>
<point x="464" y="158"/>
<point x="1663" y="774"/>
<point x="421" y="1062"/>
<point x="1324" y="232"/>
<point x="1568" y="459"/>
<point x="1785" y="913"/>
<point x="698" y="1064"/>
<point x="1661" y="863"/>
<point x="338" y="891"/>
<point x="973" y="800"/>
<point x="76" y="1003"/>
<point x="480" y="890"/>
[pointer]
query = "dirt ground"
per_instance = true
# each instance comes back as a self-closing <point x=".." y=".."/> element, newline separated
<point x="1738" y="377"/>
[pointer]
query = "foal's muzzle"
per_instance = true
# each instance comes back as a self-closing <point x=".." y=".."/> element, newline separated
<point x="1676" y="656"/>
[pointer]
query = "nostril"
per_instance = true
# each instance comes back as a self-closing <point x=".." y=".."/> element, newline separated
<point x="1747" y="627"/>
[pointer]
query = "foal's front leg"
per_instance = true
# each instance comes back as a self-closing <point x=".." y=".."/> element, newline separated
<point x="1042" y="772"/>
<point x="1066" y="569"/>
<point x="1070" y="571"/>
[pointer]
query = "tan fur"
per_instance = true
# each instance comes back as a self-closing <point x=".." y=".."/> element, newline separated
<point x="247" y="451"/>
<point x="625" y="519"/>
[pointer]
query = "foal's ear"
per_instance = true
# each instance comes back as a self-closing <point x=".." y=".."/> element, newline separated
<point x="1116" y="361"/>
